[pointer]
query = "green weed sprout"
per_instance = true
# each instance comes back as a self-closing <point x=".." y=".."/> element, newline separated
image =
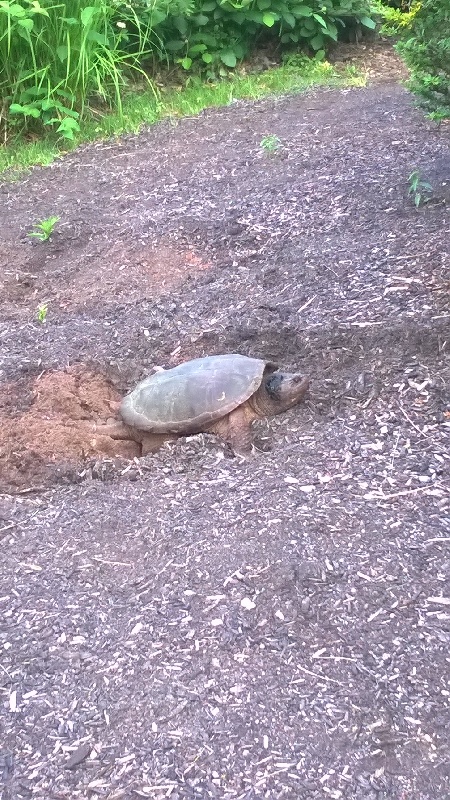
<point x="419" y="189"/>
<point x="42" y="313"/>
<point x="270" y="144"/>
<point x="44" y="228"/>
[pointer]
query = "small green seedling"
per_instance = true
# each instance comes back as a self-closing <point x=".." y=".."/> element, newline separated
<point x="270" y="144"/>
<point x="44" y="229"/>
<point x="42" y="313"/>
<point x="418" y="189"/>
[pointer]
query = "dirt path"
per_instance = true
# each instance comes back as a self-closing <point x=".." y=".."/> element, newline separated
<point x="192" y="625"/>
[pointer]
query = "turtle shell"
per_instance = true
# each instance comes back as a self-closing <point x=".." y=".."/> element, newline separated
<point x="193" y="395"/>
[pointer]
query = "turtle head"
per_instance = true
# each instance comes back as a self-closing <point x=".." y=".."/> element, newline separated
<point x="285" y="389"/>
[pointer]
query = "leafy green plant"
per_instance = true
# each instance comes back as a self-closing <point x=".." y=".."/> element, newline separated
<point x="425" y="46"/>
<point x="42" y="313"/>
<point x="270" y="144"/>
<point x="419" y="189"/>
<point x="37" y="104"/>
<point x="44" y="228"/>
<point x="211" y="39"/>
<point x="317" y="24"/>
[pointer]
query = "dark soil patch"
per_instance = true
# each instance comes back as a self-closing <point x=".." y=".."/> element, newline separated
<point x="193" y="625"/>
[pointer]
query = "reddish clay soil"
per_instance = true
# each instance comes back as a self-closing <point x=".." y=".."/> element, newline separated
<point x="192" y="624"/>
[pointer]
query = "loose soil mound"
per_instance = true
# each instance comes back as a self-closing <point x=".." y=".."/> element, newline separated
<point x="192" y="625"/>
<point x="59" y="425"/>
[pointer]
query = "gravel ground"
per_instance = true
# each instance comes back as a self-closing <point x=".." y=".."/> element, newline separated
<point x="192" y="624"/>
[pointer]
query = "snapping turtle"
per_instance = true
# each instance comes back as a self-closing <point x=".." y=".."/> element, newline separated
<point x="217" y="394"/>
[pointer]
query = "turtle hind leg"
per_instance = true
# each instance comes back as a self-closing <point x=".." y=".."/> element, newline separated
<point x="235" y="429"/>
<point x="151" y="442"/>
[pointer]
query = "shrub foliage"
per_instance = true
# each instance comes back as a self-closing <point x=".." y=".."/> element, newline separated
<point x="218" y="33"/>
<point x="426" y="49"/>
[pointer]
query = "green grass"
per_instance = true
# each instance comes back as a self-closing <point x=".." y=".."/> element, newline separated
<point x="141" y="109"/>
<point x="54" y="57"/>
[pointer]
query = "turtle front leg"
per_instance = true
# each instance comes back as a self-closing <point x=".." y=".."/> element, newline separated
<point x="236" y="430"/>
